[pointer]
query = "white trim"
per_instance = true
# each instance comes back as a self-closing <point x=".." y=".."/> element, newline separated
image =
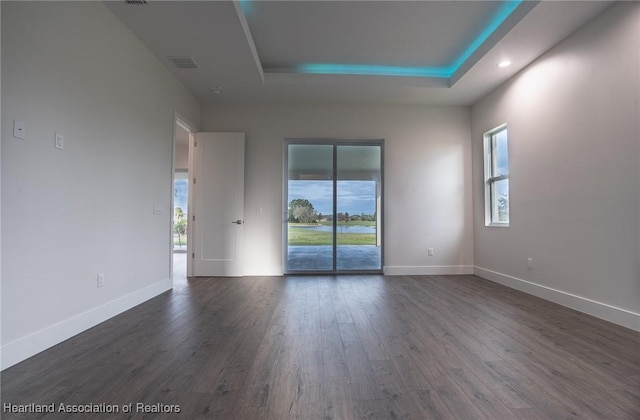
<point x="34" y="343"/>
<point x="489" y="178"/>
<point x="180" y="121"/>
<point x="600" y="310"/>
<point x="191" y="203"/>
<point x="264" y="270"/>
<point x="426" y="270"/>
<point x="174" y="140"/>
<point x="498" y="225"/>
<point x="184" y="122"/>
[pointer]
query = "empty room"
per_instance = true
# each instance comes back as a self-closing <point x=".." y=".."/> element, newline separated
<point x="320" y="209"/>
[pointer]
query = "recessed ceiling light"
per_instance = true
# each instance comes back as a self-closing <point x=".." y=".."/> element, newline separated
<point x="504" y="63"/>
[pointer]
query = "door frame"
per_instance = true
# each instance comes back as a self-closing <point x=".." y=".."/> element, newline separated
<point x="335" y="142"/>
<point x="180" y="121"/>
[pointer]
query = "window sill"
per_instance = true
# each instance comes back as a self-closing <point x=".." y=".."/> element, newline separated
<point x="500" y="225"/>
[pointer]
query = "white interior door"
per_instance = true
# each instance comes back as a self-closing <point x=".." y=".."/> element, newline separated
<point x="218" y="194"/>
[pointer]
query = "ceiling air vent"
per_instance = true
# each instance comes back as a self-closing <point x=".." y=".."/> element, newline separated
<point x="136" y="2"/>
<point x="184" y="62"/>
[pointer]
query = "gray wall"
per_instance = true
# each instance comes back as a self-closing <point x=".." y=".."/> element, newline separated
<point x="73" y="68"/>
<point x="574" y="147"/>
<point x="427" y="175"/>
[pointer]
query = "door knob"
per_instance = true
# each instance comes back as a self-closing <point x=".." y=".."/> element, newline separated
<point x="238" y="222"/>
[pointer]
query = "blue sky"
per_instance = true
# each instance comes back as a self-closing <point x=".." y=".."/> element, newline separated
<point x="354" y="197"/>
<point x="502" y="153"/>
<point x="180" y="200"/>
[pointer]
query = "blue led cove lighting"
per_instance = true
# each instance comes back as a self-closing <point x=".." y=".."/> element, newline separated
<point x="373" y="70"/>
<point x="501" y="15"/>
<point x="246" y="6"/>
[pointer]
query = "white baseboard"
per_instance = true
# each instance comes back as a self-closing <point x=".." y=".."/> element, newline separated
<point x="264" y="270"/>
<point x="600" y="310"/>
<point x="34" y="343"/>
<point x="426" y="270"/>
<point x="388" y="270"/>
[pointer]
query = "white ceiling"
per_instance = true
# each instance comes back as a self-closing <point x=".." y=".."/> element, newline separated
<point x="252" y="49"/>
<point x="288" y="32"/>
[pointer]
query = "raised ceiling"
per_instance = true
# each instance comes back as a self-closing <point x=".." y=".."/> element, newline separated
<point x="348" y="33"/>
<point x="393" y="52"/>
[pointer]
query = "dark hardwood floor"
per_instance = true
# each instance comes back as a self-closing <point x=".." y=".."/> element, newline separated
<point x="343" y="347"/>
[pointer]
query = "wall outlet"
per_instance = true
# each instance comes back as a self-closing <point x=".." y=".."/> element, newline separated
<point x="530" y="263"/>
<point x="19" y="129"/>
<point x="100" y="280"/>
<point x="430" y="252"/>
<point x="59" y="141"/>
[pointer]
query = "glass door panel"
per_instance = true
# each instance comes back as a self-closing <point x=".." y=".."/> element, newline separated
<point x="358" y="208"/>
<point x="310" y="236"/>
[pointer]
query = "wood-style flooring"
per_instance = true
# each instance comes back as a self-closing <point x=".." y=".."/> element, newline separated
<point x="342" y="347"/>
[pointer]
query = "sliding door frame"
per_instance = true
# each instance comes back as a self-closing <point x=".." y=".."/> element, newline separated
<point x="335" y="143"/>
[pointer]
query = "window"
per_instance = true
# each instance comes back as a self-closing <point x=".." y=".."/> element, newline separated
<point x="496" y="176"/>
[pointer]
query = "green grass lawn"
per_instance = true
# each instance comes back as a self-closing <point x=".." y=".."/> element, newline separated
<point x="298" y="235"/>
<point x="183" y="240"/>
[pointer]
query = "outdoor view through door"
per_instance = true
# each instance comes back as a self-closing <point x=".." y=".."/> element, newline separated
<point x="180" y="210"/>
<point x="334" y="206"/>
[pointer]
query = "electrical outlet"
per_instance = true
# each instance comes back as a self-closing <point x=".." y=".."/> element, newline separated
<point x="19" y="129"/>
<point x="530" y="263"/>
<point x="100" y="281"/>
<point x="430" y="252"/>
<point x="59" y="142"/>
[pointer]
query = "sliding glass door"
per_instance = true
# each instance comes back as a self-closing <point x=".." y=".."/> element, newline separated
<point x="334" y="206"/>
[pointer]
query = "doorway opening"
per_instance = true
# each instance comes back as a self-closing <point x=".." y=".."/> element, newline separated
<point x="180" y="210"/>
<point x="334" y="206"/>
<point x="180" y="199"/>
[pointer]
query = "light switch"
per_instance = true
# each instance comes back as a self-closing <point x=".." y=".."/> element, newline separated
<point x="19" y="129"/>
<point x="59" y="143"/>
<point x="158" y="209"/>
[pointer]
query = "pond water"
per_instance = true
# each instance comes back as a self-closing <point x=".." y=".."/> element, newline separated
<point x="340" y="228"/>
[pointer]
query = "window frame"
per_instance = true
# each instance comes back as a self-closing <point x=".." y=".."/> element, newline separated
<point x="490" y="180"/>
